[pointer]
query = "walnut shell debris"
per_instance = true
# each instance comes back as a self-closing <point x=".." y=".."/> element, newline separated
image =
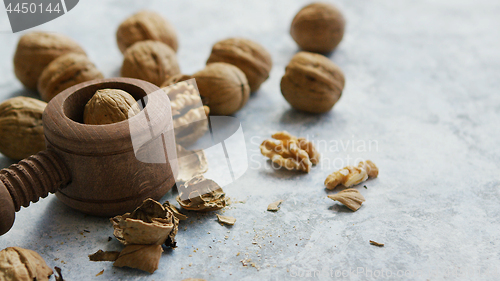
<point x="149" y="224"/>
<point x="64" y="72"/>
<point x="143" y="257"/>
<point x="104" y="256"/>
<point x="200" y="194"/>
<point x="151" y="61"/>
<point x="36" y="50"/>
<point x="223" y="87"/>
<point x="109" y="106"/>
<point x="18" y="264"/>
<point x="249" y="56"/>
<point x="275" y="206"/>
<point x="145" y="25"/>
<point x="350" y="197"/>
<point x="312" y="83"/>
<point x="350" y="175"/>
<point x="188" y="113"/>
<point x="290" y="152"/>
<point x="318" y="27"/>
<point x="226" y="219"/>
<point x="21" y="127"/>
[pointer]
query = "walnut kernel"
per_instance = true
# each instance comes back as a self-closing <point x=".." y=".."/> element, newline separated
<point x="351" y="198"/>
<point x="350" y="175"/>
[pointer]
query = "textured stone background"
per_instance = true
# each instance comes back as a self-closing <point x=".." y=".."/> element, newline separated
<point x="422" y="84"/>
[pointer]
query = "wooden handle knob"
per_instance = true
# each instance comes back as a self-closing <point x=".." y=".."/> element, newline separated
<point x="27" y="181"/>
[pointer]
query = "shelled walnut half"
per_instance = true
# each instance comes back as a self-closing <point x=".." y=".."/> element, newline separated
<point x="351" y="198"/>
<point x="188" y="113"/>
<point x="350" y="175"/>
<point x="290" y="152"/>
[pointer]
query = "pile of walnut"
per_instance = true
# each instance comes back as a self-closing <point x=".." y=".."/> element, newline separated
<point x="294" y="153"/>
<point x="143" y="232"/>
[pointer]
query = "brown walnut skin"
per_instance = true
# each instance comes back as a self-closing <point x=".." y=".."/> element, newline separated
<point x="151" y="61"/>
<point x="36" y="50"/>
<point x="21" y="130"/>
<point x="145" y="25"/>
<point x="247" y="55"/>
<point x="312" y="83"/>
<point x="223" y="87"/>
<point x="318" y="27"/>
<point x="64" y="72"/>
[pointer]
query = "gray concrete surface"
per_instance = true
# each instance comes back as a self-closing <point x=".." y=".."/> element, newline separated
<point x="423" y="81"/>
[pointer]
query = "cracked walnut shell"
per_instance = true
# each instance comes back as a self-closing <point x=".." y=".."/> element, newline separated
<point x="350" y="175"/>
<point x="143" y="257"/>
<point x="200" y="194"/>
<point x="318" y="27"/>
<point x="18" y="264"/>
<point x="290" y="152"/>
<point x="21" y="127"/>
<point x="36" y="50"/>
<point x="64" y="72"/>
<point x="312" y="83"/>
<point x="145" y="25"/>
<point x="247" y="55"/>
<point x="223" y="87"/>
<point x="351" y="198"/>
<point x="149" y="224"/>
<point x="109" y="106"/>
<point x="151" y="61"/>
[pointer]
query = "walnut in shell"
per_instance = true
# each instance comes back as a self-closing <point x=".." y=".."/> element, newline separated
<point x="64" y="72"/>
<point x="151" y="61"/>
<point x="200" y="194"/>
<point x="36" y="50"/>
<point x="351" y="198"/>
<point x="188" y="113"/>
<point x="21" y="130"/>
<point x="312" y="83"/>
<point x="223" y="87"/>
<point x="109" y="106"/>
<point x="145" y="25"/>
<point x="247" y="55"/>
<point x="149" y="224"/>
<point x="18" y="264"/>
<point x="290" y="152"/>
<point x="318" y="27"/>
<point x="350" y="175"/>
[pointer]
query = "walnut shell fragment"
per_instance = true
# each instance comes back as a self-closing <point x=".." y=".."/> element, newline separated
<point x="350" y="197"/>
<point x="36" y="50"/>
<point x="145" y="25"/>
<point x="109" y="106"/>
<point x="151" y="61"/>
<point x="223" y="87"/>
<point x="64" y="72"/>
<point x="175" y="211"/>
<point x="312" y="83"/>
<point x="143" y="257"/>
<point x="21" y="129"/>
<point x="249" y="56"/>
<point x="201" y="194"/>
<point x="226" y="219"/>
<point x="350" y="175"/>
<point x="104" y="256"/>
<point x="149" y="224"/>
<point x="290" y="152"/>
<point x="188" y="112"/>
<point x="191" y="163"/>
<point x="275" y="206"/>
<point x="18" y="264"/>
<point x="318" y="27"/>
